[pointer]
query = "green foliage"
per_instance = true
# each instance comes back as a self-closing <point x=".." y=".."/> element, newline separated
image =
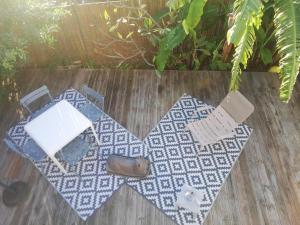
<point x="242" y="35"/>
<point x="266" y="55"/>
<point x="287" y="32"/>
<point x="178" y="34"/>
<point x="248" y="16"/>
<point x="23" y="23"/>
<point x="167" y="44"/>
<point x="241" y="55"/>
<point x="217" y="62"/>
<point x="175" y="49"/>
<point x="244" y="11"/>
<point x="194" y="15"/>
<point x="189" y="34"/>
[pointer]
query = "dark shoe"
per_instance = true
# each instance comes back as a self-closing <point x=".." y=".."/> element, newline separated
<point x="128" y="166"/>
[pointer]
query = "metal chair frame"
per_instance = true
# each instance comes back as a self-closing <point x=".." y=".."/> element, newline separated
<point x="28" y="99"/>
<point x="90" y="93"/>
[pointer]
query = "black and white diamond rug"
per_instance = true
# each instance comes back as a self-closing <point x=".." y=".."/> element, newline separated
<point x="176" y="160"/>
<point x="87" y="186"/>
<point x="174" y="155"/>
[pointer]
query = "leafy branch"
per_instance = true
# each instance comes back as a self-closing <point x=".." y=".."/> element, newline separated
<point x="248" y="15"/>
<point x="178" y="34"/>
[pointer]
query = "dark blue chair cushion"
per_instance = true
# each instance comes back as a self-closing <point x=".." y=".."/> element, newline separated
<point x="91" y="111"/>
<point x="74" y="151"/>
<point x="33" y="151"/>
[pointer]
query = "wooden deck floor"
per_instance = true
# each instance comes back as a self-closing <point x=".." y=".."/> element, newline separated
<point x="263" y="188"/>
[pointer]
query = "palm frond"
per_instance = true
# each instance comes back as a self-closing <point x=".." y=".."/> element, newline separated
<point x="242" y="35"/>
<point x="242" y="53"/>
<point x="244" y="11"/>
<point x="287" y="33"/>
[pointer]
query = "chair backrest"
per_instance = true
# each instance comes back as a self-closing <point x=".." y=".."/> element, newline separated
<point x="92" y="94"/>
<point x="221" y="122"/>
<point x="237" y="106"/>
<point x="33" y="96"/>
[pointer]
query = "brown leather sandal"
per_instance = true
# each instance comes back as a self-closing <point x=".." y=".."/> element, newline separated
<point x="128" y="166"/>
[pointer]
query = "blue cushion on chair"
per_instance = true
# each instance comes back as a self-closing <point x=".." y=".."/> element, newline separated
<point x="74" y="151"/>
<point x="13" y="146"/>
<point x="33" y="151"/>
<point x="91" y="111"/>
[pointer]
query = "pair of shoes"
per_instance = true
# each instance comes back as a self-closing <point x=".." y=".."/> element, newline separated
<point x="128" y="166"/>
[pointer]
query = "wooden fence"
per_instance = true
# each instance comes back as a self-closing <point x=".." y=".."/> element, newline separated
<point x="85" y="37"/>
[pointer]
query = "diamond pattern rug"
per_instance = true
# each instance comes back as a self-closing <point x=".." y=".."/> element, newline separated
<point x="87" y="186"/>
<point x="176" y="159"/>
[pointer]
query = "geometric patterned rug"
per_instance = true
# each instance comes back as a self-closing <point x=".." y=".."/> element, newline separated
<point x="174" y="155"/>
<point x="87" y="186"/>
<point x="176" y="160"/>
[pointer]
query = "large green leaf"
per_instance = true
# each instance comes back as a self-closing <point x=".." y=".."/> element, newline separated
<point x="194" y="15"/>
<point x="166" y="46"/>
<point x="266" y="55"/>
<point x="242" y="34"/>
<point x="177" y="35"/>
<point x="244" y="10"/>
<point x="242" y="54"/>
<point x="287" y="27"/>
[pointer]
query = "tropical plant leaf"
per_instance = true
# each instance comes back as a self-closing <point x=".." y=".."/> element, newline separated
<point x="177" y="35"/>
<point x="167" y="44"/>
<point x="176" y="4"/>
<point x="242" y="34"/>
<point x="194" y="15"/>
<point x="287" y="33"/>
<point x="266" y="55"/>
<point x="244" y="11"/>
<point x="242" y="54"/>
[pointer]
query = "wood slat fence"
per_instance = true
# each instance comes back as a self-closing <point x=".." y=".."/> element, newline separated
<point x="84" y="35"/>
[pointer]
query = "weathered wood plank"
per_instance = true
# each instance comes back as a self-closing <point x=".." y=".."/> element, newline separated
<point x="263" y="188"/>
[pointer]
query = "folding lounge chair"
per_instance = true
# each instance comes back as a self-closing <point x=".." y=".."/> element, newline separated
<point x="219" y="124"/>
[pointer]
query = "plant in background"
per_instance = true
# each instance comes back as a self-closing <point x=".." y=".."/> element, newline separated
<point x="23" y="23"/>
<point x="248" y="16"/>
<point x="191" y="34"/>
<point x="128" y="29"/>
<point x="195" y="32"/>
<point x="175" y="37"/>
<point x="190" y="14"/>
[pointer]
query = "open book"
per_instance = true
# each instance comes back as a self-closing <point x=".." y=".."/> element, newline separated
<point x="233" y="110"/>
